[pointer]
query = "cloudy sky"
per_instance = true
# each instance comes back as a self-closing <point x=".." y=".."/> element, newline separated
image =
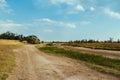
<point x="61" y="19"/>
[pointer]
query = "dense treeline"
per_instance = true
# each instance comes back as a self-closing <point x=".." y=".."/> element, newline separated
<point x="32" y="39"/>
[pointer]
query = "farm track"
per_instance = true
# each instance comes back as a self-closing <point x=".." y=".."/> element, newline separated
<point x="32" y="64"/>
<point x="107" y="53"/>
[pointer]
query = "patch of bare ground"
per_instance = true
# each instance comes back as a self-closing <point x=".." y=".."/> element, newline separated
<point x="32" y="64"/>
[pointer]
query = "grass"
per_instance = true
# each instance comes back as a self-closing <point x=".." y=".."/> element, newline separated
<point x="105" y="69"/>
<point x="105" y="46"/>
<point x="7" y="57"/>
<point x="113" y="64"/>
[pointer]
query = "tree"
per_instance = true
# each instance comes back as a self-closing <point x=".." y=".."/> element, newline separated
<point x="118" y="41"/>
<point x="32" y="39"/>
<point x="110" y="40"/>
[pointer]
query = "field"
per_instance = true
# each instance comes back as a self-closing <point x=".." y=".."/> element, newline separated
<point x="105" y="46"/>
<point x="97" y="62"/>
<point x="9" y="42"/>
<point x="7" y="57"/>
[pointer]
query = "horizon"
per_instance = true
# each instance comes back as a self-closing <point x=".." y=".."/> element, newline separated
<point x="61" y="20"/>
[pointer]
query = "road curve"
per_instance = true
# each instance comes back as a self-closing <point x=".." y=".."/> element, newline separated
<point x="32" y="64"/>
<point x="108" y="53"/>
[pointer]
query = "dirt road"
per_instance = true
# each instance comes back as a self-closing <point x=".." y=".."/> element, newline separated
<point x="108" y="53"/>
<point x="31" y="64"/>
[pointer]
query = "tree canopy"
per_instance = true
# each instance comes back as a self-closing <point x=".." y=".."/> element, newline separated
<point x="32" y="39"/>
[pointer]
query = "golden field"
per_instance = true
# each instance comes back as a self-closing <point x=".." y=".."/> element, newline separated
<point x="7" y="57"/>
<point x="9" y="42"/>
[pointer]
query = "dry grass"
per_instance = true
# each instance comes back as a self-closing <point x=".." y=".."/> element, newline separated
<point x="7" y="57"/>
<point x="10" y="42"/>
<point x="105" y="46"/>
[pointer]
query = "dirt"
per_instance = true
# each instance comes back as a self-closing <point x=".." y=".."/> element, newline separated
<point x="32" y="64"/>
<point x="107" y="53"/>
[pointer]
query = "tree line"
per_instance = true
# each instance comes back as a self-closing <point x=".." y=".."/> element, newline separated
<point x="95" y="41"/>
<point x="32" y="39"/>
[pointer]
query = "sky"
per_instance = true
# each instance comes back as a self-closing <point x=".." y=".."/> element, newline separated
<point x="62" y="20"/>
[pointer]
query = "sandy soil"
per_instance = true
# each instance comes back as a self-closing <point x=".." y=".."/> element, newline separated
<point x="33" y="64"/>
<point x="107" y="53"/>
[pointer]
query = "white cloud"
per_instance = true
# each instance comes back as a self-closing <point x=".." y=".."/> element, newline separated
<point x="50" y="22"/>
<point x="79" y="8"/>
<point x="92" y="8"/>
<point x="112" y="13"/>
<point x="75" y="9"/>
<point x="68" y="2"/>
<point x="48" y="31"/>
<point x="70" y="25"/>
<point x="4" y="6"/>
<point x="71" y="6"/>
<point x="85" y="22"/>
<point x="44" y="22"/>
<point x="9" y="24"/>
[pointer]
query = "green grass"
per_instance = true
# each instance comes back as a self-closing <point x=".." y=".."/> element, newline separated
<point x="105" y="69"/>
<point x="105" y="46"/>
<point x="86" y="57"/>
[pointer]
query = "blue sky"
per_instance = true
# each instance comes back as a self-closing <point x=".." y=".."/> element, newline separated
<point x="62" y="20"/>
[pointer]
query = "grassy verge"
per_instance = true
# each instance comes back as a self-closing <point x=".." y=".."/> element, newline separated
<point x="104" y="69"/>
<point x="103" y="63"/>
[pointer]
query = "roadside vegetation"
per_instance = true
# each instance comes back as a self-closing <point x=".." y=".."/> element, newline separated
<point x="97" y="62"/>
<point x="7" y="57"/>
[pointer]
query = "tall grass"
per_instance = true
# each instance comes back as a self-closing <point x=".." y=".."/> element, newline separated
<point x="86" y="57"/>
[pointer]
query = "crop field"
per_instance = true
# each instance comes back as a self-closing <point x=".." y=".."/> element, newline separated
<point x="97" y="62"/>
<point x="105" y="46"/>
<point x="7" y="57"/>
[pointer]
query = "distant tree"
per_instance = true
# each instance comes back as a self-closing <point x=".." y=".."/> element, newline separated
<point x="118" y="41"/>
<point x="42" y="41"/>
<point x="110" y="40"/>
<point x="32" y="39"/>
<point x="91" y="41"/>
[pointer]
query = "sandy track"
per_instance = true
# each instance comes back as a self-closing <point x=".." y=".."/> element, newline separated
<point x="35" y="65"/>
<point x="108" y="53"/>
